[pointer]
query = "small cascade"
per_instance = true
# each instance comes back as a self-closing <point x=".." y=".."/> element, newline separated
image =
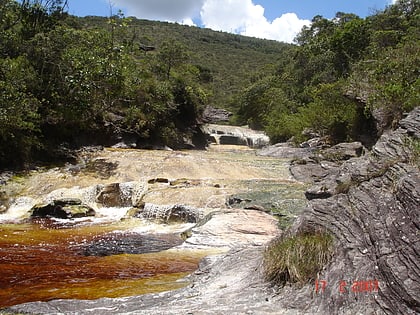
<point x="172" y="213"/>
<point x="19" y="209"/>
<point x="234" y="135"/>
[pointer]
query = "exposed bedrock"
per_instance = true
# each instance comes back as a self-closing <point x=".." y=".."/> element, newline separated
<point x="371" y="205"/>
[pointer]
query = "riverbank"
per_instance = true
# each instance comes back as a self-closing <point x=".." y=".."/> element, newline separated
<point x="368" y="203"/>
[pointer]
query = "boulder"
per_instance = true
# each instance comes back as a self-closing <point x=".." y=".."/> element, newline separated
<point x="63" y="209"/>
<point x="233" y="229"/>
<point x="232" y="139"/>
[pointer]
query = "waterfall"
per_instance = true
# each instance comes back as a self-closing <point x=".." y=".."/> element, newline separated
<point x="221" y="134"/>
<point x="171" y="213"/>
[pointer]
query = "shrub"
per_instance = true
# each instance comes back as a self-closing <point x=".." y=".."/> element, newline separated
<point x="297" y="259"/>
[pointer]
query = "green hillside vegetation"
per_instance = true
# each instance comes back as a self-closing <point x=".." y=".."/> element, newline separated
<point x="342" y="71"/>
<point x="226" y="62"/>
<point x="67" y="81"/>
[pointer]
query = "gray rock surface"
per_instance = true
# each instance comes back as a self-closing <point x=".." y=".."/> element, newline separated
<point x="287" y="151"/>
<point x="372" y="210"/>
<point x="214" y="115"/>
<point x="371" y="205"/>
<point x="171" y="213"/>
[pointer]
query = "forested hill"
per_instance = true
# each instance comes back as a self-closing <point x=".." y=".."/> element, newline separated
<point x="67" y="81"/>
<point x="227" y="62"/>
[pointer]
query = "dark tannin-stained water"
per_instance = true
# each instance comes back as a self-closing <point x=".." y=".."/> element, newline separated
<point x="42" y="261"/>
<point x="114" y="254"/>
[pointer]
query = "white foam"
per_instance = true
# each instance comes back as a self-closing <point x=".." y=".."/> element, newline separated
<point x="18" y="210"/>
<point x="111" y="214"/>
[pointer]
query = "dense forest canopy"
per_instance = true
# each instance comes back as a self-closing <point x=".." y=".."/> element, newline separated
<point x="67" y="81"/>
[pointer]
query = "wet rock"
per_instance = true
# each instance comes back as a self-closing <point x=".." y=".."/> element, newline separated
<point x="116" y="244"/>
<point x="171" y="213"/>
<point x="318" y="192"/>
<point x="111" y="195"/>
<point x="158" y="180"/>
<point x="121" y="194"/>
<point x="4" y="202"/>
<point x="343" y="151"/>
<point x="63" y="209"/>
<point x="101" y="167"/>
<point x="232" y="139"/>
<point x="257" y="207"/>
<point x="185" y="182"/>
<point x="233" y="135"/>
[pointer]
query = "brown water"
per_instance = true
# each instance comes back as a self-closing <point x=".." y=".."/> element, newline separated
<point x="40" y="262"/>
<point x="43" y="260"/>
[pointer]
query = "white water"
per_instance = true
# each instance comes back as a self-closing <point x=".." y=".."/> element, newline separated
<point x="18" y="210"/>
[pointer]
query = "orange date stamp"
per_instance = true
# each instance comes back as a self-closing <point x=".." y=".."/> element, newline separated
<point x="357" y="286"/>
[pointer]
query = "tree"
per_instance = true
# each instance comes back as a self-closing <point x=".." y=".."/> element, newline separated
<point x="171" y="55"/>
<point x="19" y="119"/>
<point x="41" y="15"/>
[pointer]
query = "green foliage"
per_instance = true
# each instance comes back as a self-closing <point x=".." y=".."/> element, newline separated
<point x="18" y="112"/>
<point x="297" y="259"/>
<point x="391" y="81"/>
<point x="330" y="114"/>
<point x="63" y="78"/>
<point x="61" y="81"/>
<point x="341" y="68"/>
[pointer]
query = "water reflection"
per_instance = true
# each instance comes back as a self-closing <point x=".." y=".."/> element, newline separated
<point x="46" y="259"/>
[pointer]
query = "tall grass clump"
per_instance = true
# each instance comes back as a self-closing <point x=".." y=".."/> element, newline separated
<point x="297" y="259"/>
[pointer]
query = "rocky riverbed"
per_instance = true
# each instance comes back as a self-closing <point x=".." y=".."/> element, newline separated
<point x="369" y="202"/>
<point x="196" y="202"/>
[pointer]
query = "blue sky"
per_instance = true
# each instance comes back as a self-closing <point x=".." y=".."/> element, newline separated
<point x="272" y="19"/>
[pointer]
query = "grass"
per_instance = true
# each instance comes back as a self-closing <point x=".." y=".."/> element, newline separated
<point x="413" y="145"/>
<point x="297" y="259"/>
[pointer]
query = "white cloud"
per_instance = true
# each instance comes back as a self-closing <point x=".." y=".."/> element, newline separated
<point x="284" y="28"/>
<point x="246" y="18"/>
<point x="234" y="16"/>
<point x="162" y="10"/>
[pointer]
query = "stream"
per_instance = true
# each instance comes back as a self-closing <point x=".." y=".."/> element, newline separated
<point x="116" y="252"/>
